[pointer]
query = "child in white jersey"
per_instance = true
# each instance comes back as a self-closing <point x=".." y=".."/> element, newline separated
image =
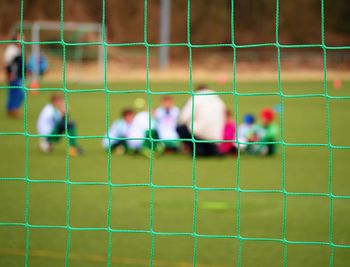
<point x="166" y="117"/>
<point x="51" y="126"/>
<point x="142" y="135"/>
<point x="119" y="130"/>
<point x="248" y="131"/>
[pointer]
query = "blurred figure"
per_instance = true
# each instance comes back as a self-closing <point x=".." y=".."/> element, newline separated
<point x="166" y="117"/>
<point x="248" y="131"/>
<point x="119" y="129"/>
<point x="269" y="132"/>
<point x="142" y="127"/>
<point x="15" y="70"/>
<point x="229" y="134"/>
<point x="51" y="122"/>
<point x="40" y="62"/>
<point x="208" y="117"/>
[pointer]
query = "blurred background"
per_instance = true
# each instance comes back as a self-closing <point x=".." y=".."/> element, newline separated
<point x="210" y="23"/>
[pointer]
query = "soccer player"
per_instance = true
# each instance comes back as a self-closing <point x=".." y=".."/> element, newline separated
<point x="229" y="134"/>
<point x="208" y="118"/>
<point x="51" y="122"/>
<point x="119" y="129"/>
<point x="166" y="117"/>
<point x="14" y="65"/>
<point x="248" y="131"/>
<point x="139" y="130"/>
<point x="269" y="132"/>
<point x="143" y="126"/>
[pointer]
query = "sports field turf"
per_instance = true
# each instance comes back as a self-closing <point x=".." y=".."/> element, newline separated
<point x="222" y="214"/>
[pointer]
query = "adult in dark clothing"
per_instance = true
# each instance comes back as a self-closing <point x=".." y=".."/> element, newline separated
<point x="15" y="71"/>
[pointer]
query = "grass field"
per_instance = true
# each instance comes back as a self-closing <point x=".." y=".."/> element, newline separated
<point x="217" y="212"/>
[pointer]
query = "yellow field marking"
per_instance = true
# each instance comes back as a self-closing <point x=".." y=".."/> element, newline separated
<point x="50" y="254"/>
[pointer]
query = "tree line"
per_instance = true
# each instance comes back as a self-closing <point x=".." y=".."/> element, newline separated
<point x="211" y="21"/>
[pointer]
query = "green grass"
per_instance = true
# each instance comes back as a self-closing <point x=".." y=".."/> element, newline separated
<point x="305" y="169"/>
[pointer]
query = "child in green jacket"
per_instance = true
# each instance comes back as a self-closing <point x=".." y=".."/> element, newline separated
<point x="269" y="133"/>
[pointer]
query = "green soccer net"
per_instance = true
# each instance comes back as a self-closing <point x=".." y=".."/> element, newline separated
<point x="240" y="237"/>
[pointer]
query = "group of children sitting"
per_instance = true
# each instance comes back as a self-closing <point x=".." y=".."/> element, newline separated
<point x="158" y="132"/>
<point x="253" y="138"/>
<point x="129" y="132"/>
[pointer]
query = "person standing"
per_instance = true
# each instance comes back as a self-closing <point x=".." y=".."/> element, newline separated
<point x="15" y="71"/>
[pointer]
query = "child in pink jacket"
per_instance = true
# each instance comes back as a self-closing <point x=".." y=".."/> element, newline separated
<point x="229" y="133"/>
